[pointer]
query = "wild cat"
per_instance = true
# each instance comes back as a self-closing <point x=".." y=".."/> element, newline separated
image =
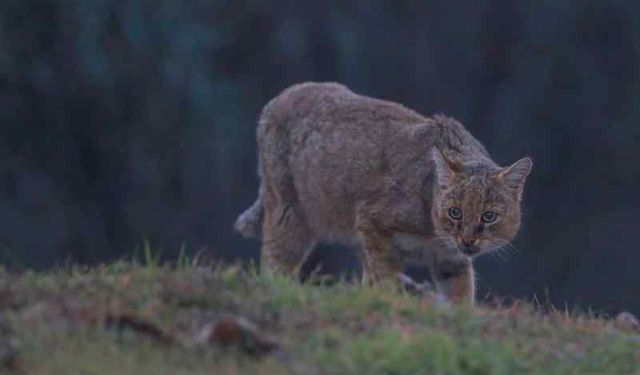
<point x="343" y="167"/>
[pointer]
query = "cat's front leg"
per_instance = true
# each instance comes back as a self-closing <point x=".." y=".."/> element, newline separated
<point x="380" y="264"/>
<point x="454" y="277"/>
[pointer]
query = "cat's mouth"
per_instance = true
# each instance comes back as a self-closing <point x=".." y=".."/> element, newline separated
<point x="469" y="247"/>
<point x="470" y="250"/>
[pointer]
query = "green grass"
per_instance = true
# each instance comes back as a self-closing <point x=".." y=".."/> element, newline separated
<point x="57" y="321"/>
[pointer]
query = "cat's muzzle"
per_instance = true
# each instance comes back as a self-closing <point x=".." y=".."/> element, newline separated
<point x="470" y="250"/>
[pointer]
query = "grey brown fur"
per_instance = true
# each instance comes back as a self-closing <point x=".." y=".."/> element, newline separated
<point x="338" y="166"/>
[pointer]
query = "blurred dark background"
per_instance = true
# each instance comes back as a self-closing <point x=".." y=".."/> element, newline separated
<point x="122" y="120"/>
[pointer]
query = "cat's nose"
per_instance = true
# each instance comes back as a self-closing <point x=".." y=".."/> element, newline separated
<point x="468" y="241"/>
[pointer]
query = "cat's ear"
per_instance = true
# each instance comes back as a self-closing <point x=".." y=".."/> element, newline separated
<point x="445" y="170"/>
<point x="515" y="175"/>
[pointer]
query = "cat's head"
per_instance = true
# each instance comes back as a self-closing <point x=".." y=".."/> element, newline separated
<point x="476" y="208"/>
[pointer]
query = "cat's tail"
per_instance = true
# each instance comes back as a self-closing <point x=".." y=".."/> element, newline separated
<point x="249" y="223"/>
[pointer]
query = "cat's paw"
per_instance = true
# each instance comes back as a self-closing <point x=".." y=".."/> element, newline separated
<point x="424" y="290"/>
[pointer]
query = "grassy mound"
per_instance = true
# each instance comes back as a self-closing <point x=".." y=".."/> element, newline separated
<point x="127" y="319"/>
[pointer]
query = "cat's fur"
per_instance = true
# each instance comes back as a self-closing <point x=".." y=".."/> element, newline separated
<point x="338" y="166"/>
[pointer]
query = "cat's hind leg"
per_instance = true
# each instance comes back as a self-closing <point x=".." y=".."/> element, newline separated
<point x="286" y="240"/>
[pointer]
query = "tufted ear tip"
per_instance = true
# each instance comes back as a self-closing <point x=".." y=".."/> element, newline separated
<point x="515" y="175"/>
<point x="527" y="162"/>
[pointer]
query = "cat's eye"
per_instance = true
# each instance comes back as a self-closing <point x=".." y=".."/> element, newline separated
<point x="455" y="213"/>
<point x="489" y="217"/>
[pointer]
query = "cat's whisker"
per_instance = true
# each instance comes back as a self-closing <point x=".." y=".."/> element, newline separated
<point x="495" y="248"/>
<point x="502" y="249"/>
<point x="510" y="248"/>
<point x="505" y="252"/>
<point x="498" y="256"/>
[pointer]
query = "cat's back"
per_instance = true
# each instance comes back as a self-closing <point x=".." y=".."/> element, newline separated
<point x="333" y="105"/>
<point x="326" y="132"/>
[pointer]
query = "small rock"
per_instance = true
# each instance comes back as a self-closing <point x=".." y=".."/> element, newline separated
<point x="230" y="330"/>
<point x="626" y="321"/>
<point x="239" y="332"/>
